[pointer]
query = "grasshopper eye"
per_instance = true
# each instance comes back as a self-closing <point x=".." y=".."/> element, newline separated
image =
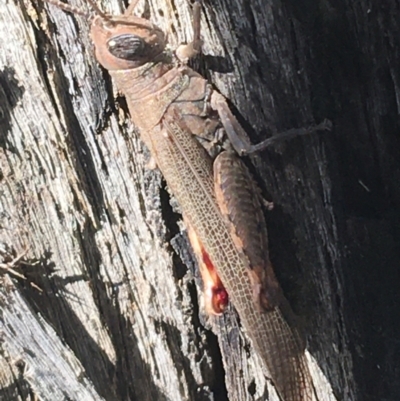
<point x="127" y="46"/>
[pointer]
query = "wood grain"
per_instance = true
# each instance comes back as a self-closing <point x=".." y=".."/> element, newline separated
<point x="119" y="309"/>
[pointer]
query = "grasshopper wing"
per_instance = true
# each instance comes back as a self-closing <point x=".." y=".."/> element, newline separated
<point x="227" y="222"/>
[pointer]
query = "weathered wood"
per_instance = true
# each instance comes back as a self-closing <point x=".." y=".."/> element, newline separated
<point x="104" y="244"/>
<point x="59" y="375"/>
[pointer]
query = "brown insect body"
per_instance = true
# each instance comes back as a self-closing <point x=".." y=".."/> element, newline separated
<point x="171" y="104"/>
<point x="156" y="90"/>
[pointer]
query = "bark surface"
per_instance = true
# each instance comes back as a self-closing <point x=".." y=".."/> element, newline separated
<point x="109" y="306"/>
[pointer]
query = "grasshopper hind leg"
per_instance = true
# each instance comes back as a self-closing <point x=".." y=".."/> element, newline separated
<point x="239" y="201"/>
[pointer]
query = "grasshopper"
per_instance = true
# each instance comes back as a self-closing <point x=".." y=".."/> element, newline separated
<point x="172" y="106"/>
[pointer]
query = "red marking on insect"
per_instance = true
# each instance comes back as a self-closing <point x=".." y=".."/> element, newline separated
<point x="216" y="296"/>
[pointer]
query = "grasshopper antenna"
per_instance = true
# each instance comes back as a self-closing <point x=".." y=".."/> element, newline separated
<point x="97" y="10"/>
<point x="185" y="52"/>
<point x="197" y="42"/>
<point x="67" y="7"/>
<point x="131" y="7"/>
<point x="78" y="11"/>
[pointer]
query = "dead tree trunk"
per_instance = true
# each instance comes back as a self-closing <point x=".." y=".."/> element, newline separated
<point x="108" y="306"/>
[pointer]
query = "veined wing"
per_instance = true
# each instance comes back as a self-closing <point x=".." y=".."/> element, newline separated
<point x="188" y="171"/>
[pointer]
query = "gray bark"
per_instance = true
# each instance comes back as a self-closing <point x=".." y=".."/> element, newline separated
<point x="110" y="305"/>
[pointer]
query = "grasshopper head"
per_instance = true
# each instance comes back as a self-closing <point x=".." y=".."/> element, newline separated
<point x="126" y="42"/>
<point x="122" y="42"/>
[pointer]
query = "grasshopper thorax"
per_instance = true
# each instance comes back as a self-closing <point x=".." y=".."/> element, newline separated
<point x="126" y="42"/>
